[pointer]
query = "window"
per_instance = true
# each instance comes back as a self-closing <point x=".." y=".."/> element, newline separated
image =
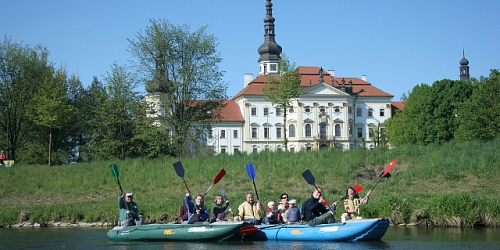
<point x="337" y="110"/>
<point x="358" y="112"/>
<point x="360" y="132"/>
<point x="308" y="130"/>
<point x="266" y="132"/>
<point x="278" y="111"/>
<point x="254" y="111"/>
<point x="235" y="134"/>
<point x="210" y="133"/>
<point x="255" y="150"/>
<point x="382" y="112"/>
<point x="370" y="132"/>
<point x="223" y="134"/>
<point x="254" y="132"/>
<point x="290" y="111"/>
<point x="350" y="110"/>
<point x="291" y="130"/>
<point x="322" y="110"/>
<point x="370" y="112"/>
<point x="350" y="130"/>
<point x="273" y="67"/>
<point x="278" y="132"/>
<point x="266" y="111"/>
<point x="222" y="150"/>
<point x="236" y="150"/>
<point x="307" y="110"/>
<point x="337" y="130"/>
<point x="309" y="149"/>
<point x="292" y="150"/>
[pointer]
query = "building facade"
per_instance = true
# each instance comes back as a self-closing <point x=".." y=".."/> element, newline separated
<point x="331" y="112"/>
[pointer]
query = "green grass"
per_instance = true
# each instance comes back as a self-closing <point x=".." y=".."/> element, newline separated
<point x="454" y="184"/>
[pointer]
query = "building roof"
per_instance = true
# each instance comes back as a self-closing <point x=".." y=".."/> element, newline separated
<point x="310" y="77"/>
<point x="398" y="105"/>
<point x="231" y="112"/>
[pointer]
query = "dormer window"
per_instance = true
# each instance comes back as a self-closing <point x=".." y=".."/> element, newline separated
<point x="307" y="110"/>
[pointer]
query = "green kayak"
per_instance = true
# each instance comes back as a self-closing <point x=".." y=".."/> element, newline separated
<point x="218" y="231"/>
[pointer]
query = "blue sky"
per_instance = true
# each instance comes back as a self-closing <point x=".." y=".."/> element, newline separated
<point x="396" y="44"/>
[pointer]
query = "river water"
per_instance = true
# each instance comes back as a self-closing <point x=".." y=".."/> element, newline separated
<point x="395" y="238"/>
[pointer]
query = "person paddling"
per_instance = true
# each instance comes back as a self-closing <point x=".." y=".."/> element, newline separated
<point x="129" y="212"/>
<point x="197" y="212"/>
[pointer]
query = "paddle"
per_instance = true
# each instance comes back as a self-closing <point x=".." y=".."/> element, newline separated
<point x="116" y="173"/>
<point x="180" y="172"/>
<point x="309" y="177"/>
<point x="358" y="188"/>
<point x="224" y="195"/>
<point x="251" y="174"/>
<point x="219" y="176"/>
<point x="381" y="176"/>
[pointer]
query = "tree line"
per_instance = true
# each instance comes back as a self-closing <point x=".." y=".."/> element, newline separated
<point x="448" y="110"/>
<point x="48" y="116"/>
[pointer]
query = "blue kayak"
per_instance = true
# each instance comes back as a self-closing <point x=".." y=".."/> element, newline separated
<point x="353" y="230"/>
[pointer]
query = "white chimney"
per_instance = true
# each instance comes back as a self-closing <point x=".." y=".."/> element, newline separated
<point x="247" y="78"/>
<point x="331" y="72"/>
<point x="363" y="77"/>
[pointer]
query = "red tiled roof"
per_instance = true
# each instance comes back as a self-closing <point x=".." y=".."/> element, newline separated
<point x="310" y="77"/>
<point x="231" y="112"/>
<point x="398" y="105"/>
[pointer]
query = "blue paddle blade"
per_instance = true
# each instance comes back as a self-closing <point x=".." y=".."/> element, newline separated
<point x="179" y="169"/>
<point x="251" y="171"/>
<point x="309" y="177"/>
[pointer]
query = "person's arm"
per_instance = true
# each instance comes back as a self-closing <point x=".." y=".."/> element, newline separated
<point x="121" y="202"/>
<point x="204" y="214"/>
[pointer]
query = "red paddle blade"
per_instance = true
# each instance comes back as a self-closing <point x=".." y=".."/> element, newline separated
<point x="326" y="203"/>
<point x="358" y="188"/>
<point x="219" y="176"/>
<point x="389" y="168"/>
<point x="248" y="230"/>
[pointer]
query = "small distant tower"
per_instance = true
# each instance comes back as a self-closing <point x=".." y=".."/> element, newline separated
<point x="269" y="51"/>
<point x="464" y="68"/>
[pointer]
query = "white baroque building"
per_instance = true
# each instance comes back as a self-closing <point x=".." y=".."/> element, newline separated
<point x="331" y="112"/>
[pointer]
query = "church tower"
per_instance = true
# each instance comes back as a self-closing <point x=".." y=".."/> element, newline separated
<point x="269" y="51"/>
<point x="464" y="68"/>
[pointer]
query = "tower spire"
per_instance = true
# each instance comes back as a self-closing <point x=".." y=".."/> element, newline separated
<point x="269" y="51"/>
<point x="464" y="67"/>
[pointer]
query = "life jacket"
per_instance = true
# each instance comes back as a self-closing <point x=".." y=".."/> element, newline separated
<point x="294" y="214"/>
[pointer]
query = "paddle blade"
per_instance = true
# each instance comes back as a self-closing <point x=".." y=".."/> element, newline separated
<point x="251" y="171"/>
<point x="179" y="169"/>
<point x="114" y="170"/>
<point x="308" y="176"/>
<point x="389" y="168"/>
<point x="219" y="176"/>
<point x="358" y="188"/>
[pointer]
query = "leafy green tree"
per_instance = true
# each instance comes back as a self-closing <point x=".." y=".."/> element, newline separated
<point x="51" y="108"/>
<point x="479" y="116"/>
<point x="22" y="70"/>
<point x="113" y="119"/>
<point x="180" y="68"/>
<point x="283" y="90"/>
<point x="430" y="113"/>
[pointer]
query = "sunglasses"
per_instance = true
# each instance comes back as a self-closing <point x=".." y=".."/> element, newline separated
<point x="284" y="197"/>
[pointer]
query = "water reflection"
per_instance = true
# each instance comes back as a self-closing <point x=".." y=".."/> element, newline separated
<point x="395" y="238"/>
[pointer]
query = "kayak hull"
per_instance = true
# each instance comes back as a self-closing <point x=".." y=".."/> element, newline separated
<point x="353" y="230"/>
<point x="217" y="231"/>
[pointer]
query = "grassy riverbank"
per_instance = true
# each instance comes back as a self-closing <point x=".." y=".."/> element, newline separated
<point x="454" y="184"/>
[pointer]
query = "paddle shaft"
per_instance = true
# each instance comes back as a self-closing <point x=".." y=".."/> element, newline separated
<point x="224" y="196"/>
<point x="255" y="188"/>
<point x="121" y="190"/>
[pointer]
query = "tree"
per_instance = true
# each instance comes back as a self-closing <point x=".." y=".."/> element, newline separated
<point x="479" y="116"/>
<point x="430" y="113"/>
<point x="114" y="117"/>
<point x="181" y="69"/>
<point x="51" y="108"/>
<point x="283" y="90"/>
<point x="22" y="70"/>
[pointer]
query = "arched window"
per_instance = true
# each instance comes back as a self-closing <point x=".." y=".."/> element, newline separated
<point x="291" y="130"/>
<point x="337" y="130"/>
<point x="308" y="130"/>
